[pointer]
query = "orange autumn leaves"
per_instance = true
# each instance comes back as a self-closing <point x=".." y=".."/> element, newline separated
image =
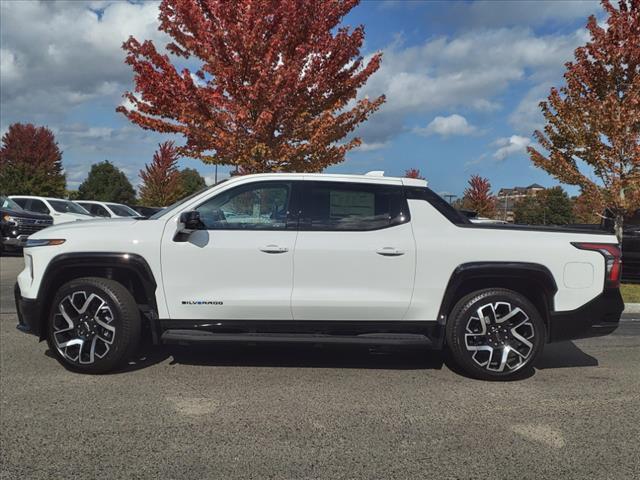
<point x="592" y="134"/>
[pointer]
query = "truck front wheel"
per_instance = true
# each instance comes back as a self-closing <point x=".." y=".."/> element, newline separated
<point x="495" y="334"/>
<point x="94" y="325"/>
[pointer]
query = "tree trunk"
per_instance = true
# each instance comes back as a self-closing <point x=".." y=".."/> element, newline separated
<point x="619" y="220"/>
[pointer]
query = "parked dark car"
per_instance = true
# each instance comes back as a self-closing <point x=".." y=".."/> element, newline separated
<point x="631" y="250"/>
<point x="17" y="224"/>
<point x="145" y="211"/>
<point x="630" y="245"/>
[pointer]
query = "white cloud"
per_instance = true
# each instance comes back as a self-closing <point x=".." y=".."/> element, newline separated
<point x="484" y="105"/>
<point x="370" y="147"/>
<point x="463" y="72"/>
<point x="447" y="126"/>
<point x="508" y="146"/>
<point x="56" y="55"/>
<point x="527" y="116"/>
<point x="473" y="162"/>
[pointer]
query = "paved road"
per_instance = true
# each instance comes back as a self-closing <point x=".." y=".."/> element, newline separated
<point x="300" y="413"/>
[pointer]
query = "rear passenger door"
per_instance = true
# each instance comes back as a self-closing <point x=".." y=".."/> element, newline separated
<point x="355" y="253"/>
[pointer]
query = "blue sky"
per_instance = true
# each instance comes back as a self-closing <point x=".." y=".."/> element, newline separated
<point x="462" y="79"/>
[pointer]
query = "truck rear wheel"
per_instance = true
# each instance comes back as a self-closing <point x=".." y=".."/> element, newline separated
<point x="94" y="325"/>
<point x="495" y="334"/>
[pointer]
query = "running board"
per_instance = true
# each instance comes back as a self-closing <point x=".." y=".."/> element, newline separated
<point x="186" y="337"/>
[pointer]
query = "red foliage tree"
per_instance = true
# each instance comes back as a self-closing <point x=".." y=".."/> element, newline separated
<point x="478" y="197"/>
<point x="31" y="162"/>
<point x="593" y="122"/>
<point x="275" y="90"/>
<point x="161" y="179"/>
<point x="586" y="209"/>
<point x="413" y="173"/>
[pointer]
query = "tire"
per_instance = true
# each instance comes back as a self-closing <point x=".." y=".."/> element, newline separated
<point x="487" y="323"/>
<point x="88" y="342"/>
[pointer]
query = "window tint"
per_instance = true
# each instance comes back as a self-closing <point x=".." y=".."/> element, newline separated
<point x="21" y="201"/>
<point x="38" y="206"/>
<point x="353" y="206"/>
<point x="96" y="209"/>
<point x="257" y="206"/>
<point x="65" y="206"/>
<point x="10" y="204"/>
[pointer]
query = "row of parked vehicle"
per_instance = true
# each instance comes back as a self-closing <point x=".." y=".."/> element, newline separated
<point x="23" y="215"/>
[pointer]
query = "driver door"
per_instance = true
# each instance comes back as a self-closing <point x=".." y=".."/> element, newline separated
<point x="240" y="266"/>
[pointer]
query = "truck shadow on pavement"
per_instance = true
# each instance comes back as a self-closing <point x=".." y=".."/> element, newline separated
<point x="564" y="355"/>
<point x="557" y="355"/>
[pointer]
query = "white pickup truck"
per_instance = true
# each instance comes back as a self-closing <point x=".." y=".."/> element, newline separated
<point x="320" y="259"/>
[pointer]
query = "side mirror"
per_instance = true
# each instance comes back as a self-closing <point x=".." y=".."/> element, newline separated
<point x="191" y="221"/>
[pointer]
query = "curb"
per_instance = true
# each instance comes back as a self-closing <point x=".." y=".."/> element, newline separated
<point x="632" y="308"/>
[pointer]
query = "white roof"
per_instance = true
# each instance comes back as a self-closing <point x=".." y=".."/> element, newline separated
<point x="99" y="202"/>
<point x="372" y="177"/>
<point x="40" y="198"/>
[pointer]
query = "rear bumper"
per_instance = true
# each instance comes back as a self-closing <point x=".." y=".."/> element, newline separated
<point x="600" y="316"/>
<point x="29" y="313"/>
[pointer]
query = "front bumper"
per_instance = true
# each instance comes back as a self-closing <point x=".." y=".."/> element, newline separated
<point x="600" y="316"/>
<point x="18" y="241"/>
<point x="29" y="314"/>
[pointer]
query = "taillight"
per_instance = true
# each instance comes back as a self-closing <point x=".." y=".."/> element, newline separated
<point x="612" y="260"/>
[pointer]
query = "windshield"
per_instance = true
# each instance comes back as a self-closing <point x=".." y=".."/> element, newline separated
<point x="122" y="210"/>
<point x="10" y="204"/>
<point x="65" y="206"/>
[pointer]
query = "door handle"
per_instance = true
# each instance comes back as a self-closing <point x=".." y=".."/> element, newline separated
<point x="273" y="249"/>
<point x="390" y="252"/>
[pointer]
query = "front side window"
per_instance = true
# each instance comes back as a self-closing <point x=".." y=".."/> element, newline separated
<point x="353" y="206"/>
<point x="257" y="206"/>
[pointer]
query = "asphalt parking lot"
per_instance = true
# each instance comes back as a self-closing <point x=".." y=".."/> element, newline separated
<point x="307" y="413"/>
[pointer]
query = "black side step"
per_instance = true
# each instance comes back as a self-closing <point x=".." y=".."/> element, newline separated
<point x="185" y="337"/>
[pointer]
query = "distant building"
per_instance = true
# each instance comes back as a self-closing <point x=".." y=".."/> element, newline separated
<point x="508" y="197"/>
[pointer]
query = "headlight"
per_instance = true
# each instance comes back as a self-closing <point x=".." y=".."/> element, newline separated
<point x="8" y="218"/>
<point x="43" y="242"/>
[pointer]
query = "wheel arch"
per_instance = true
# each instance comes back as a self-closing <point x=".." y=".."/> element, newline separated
<point x="532" y="280"/>
<point x="131" y="270"/>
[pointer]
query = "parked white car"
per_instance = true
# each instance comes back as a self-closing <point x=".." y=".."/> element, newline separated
<point x="62" y="211"/>
<point x="312" y="258"/>
<point x="108" y="209"/>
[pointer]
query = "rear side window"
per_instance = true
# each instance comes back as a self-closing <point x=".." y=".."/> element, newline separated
<point x="341" y="206"/>
<point x="38" y="206"/>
